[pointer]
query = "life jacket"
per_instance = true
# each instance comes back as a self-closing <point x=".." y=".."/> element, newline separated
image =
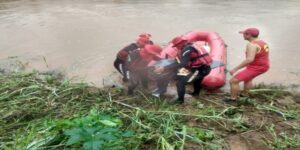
<point x="199" y="57"/>
<point x="123" y="53"/>
<point x="134" y="61"/>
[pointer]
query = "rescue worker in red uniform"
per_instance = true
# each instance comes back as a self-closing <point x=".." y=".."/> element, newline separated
<point x="122" y="55"/>
<point x="193" y="65"/>
<point x="137" y="64"/>
<point x="255" y="64"/>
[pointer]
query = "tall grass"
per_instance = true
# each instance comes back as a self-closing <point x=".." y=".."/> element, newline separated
<point x="39" y="109"/>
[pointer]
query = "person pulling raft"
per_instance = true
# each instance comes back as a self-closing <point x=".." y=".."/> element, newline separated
<point x="122" y="55"/>
<point x="193" y="64"/>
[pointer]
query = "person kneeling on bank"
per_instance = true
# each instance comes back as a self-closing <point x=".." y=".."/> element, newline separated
<point x="137" y="64"/>
<point x="122" y="55"/>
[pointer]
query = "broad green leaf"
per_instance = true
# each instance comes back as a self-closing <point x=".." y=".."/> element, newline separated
<point x="74" y="139"/>
<point x="90" y="131"/>
<point x="105" y="130"/>
<point x="108" y="123"/>
<point x="128" y="134"/>
<point x="73" y="131"/>
<point x="92" y="145"/>
<point x="75" y="135"/>
<point x="105" y="117"/>
<point x="108" y="137"/>
<point x="117" y="121"/>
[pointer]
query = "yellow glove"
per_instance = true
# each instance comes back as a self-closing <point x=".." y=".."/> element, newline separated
<point x="183" y="72"/>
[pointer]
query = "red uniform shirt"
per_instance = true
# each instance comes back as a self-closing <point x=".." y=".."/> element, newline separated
<point x="261" y="61"/>
<point x="259" y="65"/>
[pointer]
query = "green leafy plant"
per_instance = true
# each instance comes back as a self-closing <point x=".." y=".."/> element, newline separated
<point x="239" y="123"/>
<point x="97" y="131"/>
<point x="95" y="138"/>
<point x="232" y="111"/>
<point x="204" y="134"/>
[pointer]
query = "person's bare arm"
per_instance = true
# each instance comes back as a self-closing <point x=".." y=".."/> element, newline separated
<point x="251" y="51"/>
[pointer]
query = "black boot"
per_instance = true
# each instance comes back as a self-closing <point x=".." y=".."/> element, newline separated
<point x="178" y="102"/>
<point x="229" y="100"/>
<point x="194" y="94"/>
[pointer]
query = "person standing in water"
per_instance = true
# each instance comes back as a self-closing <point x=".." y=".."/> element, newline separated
<point x="255" y="64"/>
<point x="122" y="55"/>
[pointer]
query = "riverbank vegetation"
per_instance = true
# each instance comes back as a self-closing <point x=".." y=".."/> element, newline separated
<point x="48" y="111"/>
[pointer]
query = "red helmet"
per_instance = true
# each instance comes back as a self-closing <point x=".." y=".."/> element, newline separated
<point x="153" y="49"/>
<point x="178" y="40"/>
<point x="150" y="52"/>
<point x="142" y="41"/>
<point x="145" y="35"/>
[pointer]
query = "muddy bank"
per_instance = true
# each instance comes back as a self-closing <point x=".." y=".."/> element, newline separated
<point x="19" y="64"/>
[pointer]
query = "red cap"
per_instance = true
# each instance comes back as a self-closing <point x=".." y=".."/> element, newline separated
<point x="251" y="31"/>
<point x="145" y="35"/>
<point x="178" y="40"/>
<point x="153" y="49"/>
<point x="142" y="41"/>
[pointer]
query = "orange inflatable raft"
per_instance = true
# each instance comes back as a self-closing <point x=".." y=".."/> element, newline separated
<point x="212" y="42"/>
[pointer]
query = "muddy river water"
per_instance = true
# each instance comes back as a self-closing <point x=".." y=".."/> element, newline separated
<point x="81" y="38"/>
